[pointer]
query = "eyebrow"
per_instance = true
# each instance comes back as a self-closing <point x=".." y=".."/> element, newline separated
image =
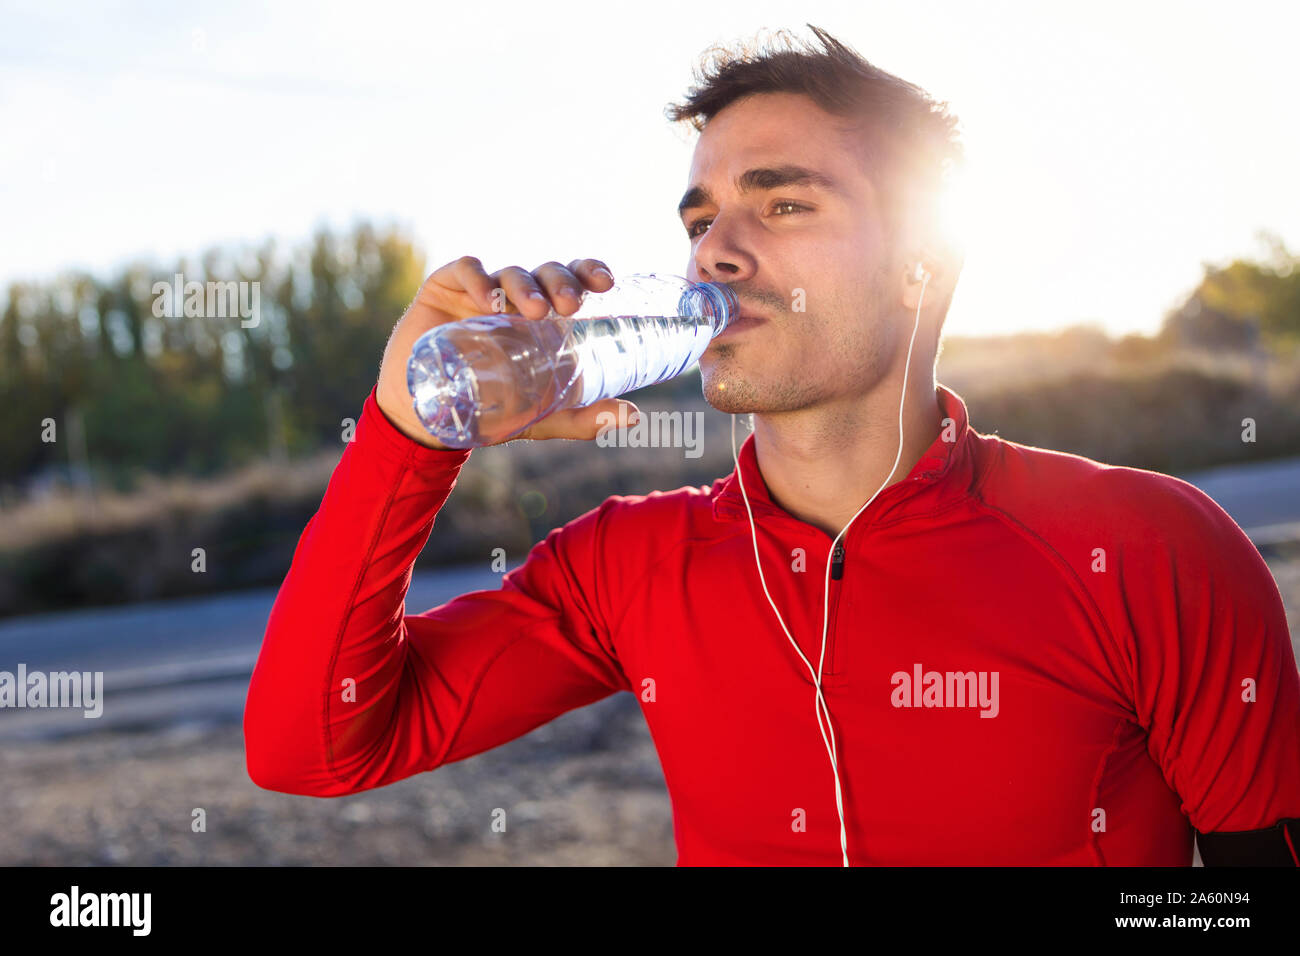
<point x="773" y="177"/>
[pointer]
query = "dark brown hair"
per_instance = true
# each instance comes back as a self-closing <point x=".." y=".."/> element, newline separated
<point x="909" y="142"/>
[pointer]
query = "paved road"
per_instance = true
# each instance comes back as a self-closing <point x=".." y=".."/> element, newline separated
<point x="168" y="661"/>
<point x="189" y="660"/>
<point x="1255" y="495"/>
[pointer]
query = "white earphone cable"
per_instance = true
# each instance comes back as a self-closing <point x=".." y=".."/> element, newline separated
<point x="819" y="702"/>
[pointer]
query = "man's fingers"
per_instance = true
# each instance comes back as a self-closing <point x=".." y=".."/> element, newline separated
<point x="593" y="273"/>
<point x="473" y="278"/>
<point x="584" y="424"/>
<point x="562" y="287"/>
<point x="525" y="296"/>
<point x="459" y="289"/>
<point x="463" y="288"/>
<point x="566" y="285"/>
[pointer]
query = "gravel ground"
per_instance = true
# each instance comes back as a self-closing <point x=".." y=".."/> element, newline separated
<point x="585" y="789"/>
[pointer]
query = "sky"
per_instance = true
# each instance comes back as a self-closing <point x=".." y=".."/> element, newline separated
<point x="1113" y="148"/>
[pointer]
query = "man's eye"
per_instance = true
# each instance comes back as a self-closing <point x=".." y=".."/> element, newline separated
<point x="794" y="206"/>
<point x="694" y="230"/>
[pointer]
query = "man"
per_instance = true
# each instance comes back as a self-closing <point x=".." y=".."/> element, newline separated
<point x="1021" y="656"/>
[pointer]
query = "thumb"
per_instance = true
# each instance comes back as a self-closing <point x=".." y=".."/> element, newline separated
<point x="588" y="422"/>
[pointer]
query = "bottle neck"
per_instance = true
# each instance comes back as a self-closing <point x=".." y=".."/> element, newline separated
<point x="713" y="302"/>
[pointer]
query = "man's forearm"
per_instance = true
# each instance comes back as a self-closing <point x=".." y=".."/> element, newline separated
<point x="326" y="679"/>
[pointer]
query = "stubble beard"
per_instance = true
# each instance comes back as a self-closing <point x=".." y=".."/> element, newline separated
<point x="730" y="387"/>
<point x="729" y="390"/>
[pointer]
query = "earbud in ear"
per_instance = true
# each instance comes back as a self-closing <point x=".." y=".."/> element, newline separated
<point x="919" y="273"/>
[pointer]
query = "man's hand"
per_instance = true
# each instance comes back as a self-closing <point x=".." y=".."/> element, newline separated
<point x="461" y="290"/>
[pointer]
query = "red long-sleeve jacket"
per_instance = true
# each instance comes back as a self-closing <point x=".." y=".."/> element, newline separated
<point x="1032" y="657"/>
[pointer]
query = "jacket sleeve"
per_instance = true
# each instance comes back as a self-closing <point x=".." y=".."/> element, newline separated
<point x="350" y="692"/>
<point x="1215" y="678"/>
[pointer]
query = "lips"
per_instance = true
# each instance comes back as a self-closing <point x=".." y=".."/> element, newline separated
<point x="744" y="320"/>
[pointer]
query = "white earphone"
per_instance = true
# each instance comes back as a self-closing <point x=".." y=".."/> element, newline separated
<point x="918" y="274"/>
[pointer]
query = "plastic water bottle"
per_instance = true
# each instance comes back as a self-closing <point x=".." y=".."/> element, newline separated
<point x="481" y="380"/>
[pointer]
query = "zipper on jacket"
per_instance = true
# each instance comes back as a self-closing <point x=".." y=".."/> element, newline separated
<point x="837" y="562"/>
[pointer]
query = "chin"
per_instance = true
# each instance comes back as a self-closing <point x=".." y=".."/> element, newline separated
<point x="728" y="394"/>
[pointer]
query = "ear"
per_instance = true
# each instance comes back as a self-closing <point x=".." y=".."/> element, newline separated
<point x="922" y="271"/>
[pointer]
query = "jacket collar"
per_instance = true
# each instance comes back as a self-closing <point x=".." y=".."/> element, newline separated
<point x="943" y="474"/>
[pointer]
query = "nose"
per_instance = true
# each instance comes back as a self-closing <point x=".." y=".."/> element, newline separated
<point x="720" y="254"/>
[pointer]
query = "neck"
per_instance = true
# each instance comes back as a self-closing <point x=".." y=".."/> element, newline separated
<point x="821" y="464"/>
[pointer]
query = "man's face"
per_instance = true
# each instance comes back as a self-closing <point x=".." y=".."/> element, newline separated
<point x="779" y="207"/>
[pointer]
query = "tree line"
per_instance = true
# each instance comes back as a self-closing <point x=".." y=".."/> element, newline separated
<point x="137" y="377"/>
<point x="144" y="384"/>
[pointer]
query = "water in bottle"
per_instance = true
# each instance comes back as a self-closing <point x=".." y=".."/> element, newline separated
<point x="481" y="380"/>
